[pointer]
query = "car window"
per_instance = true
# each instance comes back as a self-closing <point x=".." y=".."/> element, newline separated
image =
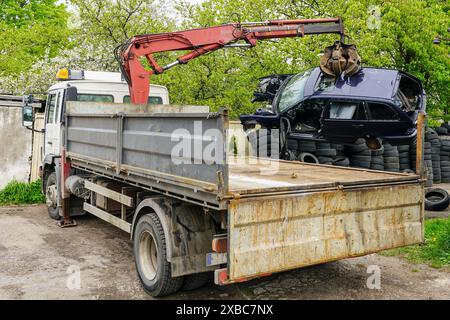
<point x="379" y="111"/>
<point x="325" y="83"/>
<point x="347" y="111"/>
<point x="51" y="108"/>
<point x="151" y="100"/>
<point x="95" y="97"/>
<point x="293" y="92"/>
<point x="58" y="106"/>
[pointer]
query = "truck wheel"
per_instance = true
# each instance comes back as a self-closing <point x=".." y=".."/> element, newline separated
<point x="150" y="255"/>
<point x="195" y="281"/>
<point x="51" y="196"/>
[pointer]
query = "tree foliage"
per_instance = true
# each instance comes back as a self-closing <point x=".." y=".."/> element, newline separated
<point x="395" y="34"/>
<point x="29" y="30"/>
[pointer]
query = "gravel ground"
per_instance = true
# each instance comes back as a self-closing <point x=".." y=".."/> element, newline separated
<point x="36" y="256"/>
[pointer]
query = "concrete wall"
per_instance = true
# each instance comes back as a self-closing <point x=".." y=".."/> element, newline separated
<point x="15" y="146"/>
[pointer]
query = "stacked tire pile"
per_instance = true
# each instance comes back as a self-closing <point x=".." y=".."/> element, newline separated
<point x="432" y="137"/>
<point x="377" y="161"/>
<point x="306" y="152"/>
<point x="391" y="158"/>
<point x="322" y="152"/>
<point x="360" y="154"/>
<point x="428" y="163"/>
<point x="404" y="157"/>
<point x="445" y="159"/>
<point x="341" y="159"/>
<point x="325" y="153"/>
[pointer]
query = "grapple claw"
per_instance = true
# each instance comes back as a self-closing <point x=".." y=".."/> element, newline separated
<point x="340" y="59"/>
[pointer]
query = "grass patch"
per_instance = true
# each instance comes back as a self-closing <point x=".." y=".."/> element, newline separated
<point x="436" y="249"/>
<point x="21" y="193"/>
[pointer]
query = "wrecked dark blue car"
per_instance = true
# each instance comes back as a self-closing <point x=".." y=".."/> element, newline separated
<point x="374" y="103"/>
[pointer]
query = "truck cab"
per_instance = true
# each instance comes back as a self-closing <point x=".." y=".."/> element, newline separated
<point x="75" y="85"/>
<point x="87" y="86"/>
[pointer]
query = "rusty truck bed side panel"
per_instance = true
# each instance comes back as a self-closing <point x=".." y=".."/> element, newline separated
<point x="272" y="234"/>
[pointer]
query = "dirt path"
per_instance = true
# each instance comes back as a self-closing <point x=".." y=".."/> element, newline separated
<point x="36" y="258"/>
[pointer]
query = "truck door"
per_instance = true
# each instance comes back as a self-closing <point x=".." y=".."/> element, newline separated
<point x="53" y="122"/>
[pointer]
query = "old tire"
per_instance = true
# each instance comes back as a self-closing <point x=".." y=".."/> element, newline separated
<point x="359" y="164"/>
<point x="326" y="152"/>
<point x="307" y="157"/>
<point x="196" y="281"/>
<point x="436" y="199"/>
<point x="51" y="196"/>
<point x="150" y="256"/>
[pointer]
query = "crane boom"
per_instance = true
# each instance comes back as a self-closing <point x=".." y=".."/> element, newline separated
<point x="204" y="40"/>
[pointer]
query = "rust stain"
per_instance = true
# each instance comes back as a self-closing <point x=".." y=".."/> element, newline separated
<point x="276" y="234"/>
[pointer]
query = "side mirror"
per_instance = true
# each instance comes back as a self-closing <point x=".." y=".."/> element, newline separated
<point x="27" y="116"/>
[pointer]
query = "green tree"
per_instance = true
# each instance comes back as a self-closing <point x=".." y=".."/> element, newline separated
<point x="30" y="30"/>
<point x="399" y="35"/>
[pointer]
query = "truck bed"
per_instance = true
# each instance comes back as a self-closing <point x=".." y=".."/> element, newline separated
<point x="135" y="144"/>
<point x="280" y="215"/>
<point x="249" y="176"/>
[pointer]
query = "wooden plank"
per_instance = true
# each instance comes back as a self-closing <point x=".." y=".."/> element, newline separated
<point x="121" y="224"/>
<point x="116" y="196"/>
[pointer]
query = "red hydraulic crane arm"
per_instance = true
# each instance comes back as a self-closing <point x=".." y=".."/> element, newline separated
<point x="204" y="40"/>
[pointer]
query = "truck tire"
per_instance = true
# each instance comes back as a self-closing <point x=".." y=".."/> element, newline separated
<point x="51" y="196"/>
<point x="196" y="281"/>
<point x="150" y="256"/>
<point x="436" y="199"/>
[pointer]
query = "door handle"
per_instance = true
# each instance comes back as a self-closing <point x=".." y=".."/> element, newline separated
<point x="49" y="142"/>
<point x="357" y="125"/>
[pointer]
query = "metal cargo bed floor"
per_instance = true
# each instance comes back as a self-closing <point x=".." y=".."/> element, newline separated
<point x="251" y="175"/>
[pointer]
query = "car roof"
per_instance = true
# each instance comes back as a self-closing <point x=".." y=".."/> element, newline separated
<point x="369" y="82"/>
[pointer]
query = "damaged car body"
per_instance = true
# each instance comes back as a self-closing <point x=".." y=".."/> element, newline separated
<point x="374" y="103"/>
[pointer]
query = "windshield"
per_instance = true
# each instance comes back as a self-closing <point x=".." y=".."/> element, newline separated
<point x="292" y="93"/>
